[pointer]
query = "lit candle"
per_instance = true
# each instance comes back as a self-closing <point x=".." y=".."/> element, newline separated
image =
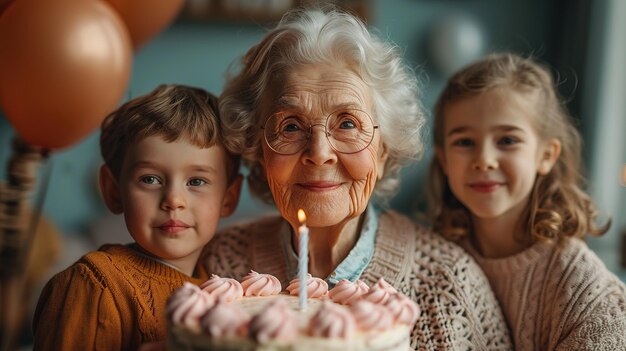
<point x="303" y="258"/>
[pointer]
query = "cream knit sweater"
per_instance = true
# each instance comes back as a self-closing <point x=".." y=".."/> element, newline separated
<point x="458" y="309"/>
<point x="559" y="296"/>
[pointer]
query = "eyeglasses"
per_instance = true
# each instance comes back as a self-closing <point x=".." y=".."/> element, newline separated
<point x="348" y="131"/>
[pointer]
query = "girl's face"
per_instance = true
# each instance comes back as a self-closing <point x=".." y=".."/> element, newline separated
<point x="329" y="186"/>
<point x="492" y="153"/>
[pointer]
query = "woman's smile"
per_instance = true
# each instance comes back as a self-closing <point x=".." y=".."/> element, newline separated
<point x="319" y="186"/>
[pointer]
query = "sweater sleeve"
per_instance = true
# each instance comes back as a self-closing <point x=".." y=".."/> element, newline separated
<point x="458" y="309"/>
<point x="76" y="312"/>
<point x="604" y="328"/>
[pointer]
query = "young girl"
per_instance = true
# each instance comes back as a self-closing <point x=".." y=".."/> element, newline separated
<point x="506" y="183"/>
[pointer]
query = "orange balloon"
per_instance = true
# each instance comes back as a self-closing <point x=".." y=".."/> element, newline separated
<point x="146" y="18"/>
<point x="4" y="4"/>
<point x="64" y="65"/>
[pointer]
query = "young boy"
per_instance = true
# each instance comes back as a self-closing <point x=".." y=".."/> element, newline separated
<point x="166" y="170"/>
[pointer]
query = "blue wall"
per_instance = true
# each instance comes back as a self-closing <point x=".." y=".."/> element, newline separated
<point x="199" y="54"/>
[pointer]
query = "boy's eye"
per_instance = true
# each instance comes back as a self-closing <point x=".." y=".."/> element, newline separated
<point x="149" y="180"/>
<point x="196" y="182"/>
<point x="508" y="141"/>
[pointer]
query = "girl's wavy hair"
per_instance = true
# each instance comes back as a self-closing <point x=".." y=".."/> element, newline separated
<point x="558" y="207"/>
<point x="324" y="35"/>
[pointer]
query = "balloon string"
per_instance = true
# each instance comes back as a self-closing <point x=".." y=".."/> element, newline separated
<point x="21" y="182"/>
<point x="15" y="239"/>
<point x="36" y="216"/>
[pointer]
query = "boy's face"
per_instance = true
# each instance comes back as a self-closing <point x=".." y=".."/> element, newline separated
<point x="172" y="196"/>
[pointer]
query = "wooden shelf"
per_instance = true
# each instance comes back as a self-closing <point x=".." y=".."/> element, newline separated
<point x="258" y="11"/>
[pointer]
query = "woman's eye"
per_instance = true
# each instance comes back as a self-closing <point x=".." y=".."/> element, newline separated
<point x="149" y="180"/>
<point x="347" y="124"/>
<point x="196" y="182"/>
<point x="291" y="127"/>
<point x="290" y="124"/>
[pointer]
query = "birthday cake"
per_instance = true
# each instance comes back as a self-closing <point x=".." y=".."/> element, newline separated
<point x="255" y="314"/>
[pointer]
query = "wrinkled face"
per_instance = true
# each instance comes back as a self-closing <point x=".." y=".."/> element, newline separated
<point x="172" y="195"/>
<point x="492" y="153"/>
<point x="329" y="186"/>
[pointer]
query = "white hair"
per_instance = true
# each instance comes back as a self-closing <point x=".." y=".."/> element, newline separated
<point x="327" y="36"/>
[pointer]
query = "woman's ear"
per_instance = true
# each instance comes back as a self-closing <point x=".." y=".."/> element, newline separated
<point x="231" y="197"/>
<point x="383" y="152"/>
<point x="110" y="190"/>
<point x="441" y="158"/>
<point x="550" y="154"/>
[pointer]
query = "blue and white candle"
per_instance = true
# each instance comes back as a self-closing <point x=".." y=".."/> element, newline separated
<point x="303" y="258"/>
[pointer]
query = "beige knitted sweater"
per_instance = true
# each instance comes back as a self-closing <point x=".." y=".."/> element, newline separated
<point x="559" y="296"/>
<point x="458" y="309"/>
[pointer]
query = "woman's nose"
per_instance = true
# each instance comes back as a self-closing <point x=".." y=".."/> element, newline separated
<point x="173" y="199"/>
<point x="485" y="160"/>
<point x="318" y="150"/>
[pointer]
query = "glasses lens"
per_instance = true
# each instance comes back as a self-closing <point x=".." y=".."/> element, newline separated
<point x="285" y="134"/>
<point x="350" y="131"/>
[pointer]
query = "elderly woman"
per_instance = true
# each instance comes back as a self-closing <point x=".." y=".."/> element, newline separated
<point x="324" y="114"/>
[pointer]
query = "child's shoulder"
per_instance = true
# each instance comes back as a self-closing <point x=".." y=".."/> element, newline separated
<point x="95" y="266"/>
<point x="574" y="264"/>
<point x="108" y="254"/>
<point x="575" y="251"/>
<point x="581" y="289"/>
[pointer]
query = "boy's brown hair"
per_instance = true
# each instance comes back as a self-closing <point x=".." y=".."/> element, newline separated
<point x="558" y="205"/>
<point x="170" y="111"/>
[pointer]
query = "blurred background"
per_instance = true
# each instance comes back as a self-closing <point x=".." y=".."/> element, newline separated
<point x="583" y="41"/>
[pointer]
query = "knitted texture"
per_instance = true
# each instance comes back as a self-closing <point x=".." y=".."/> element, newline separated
<point x="458" y="309"/>
<point x="110" y="299"/>
<point x="559" y="296"/>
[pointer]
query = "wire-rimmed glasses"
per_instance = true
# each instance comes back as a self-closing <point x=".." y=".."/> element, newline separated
<point x="348" y="131"/>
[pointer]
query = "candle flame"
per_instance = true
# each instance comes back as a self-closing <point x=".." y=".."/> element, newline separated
<point x="301" y="216"/>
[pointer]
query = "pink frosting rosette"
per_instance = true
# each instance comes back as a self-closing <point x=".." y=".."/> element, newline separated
<point x="255" y="284"/>
<point x="332" y="321"/>
<point x="315" y="287"/>
<point x="403" y="309"/>
<point x="380" y="292"/>
<point x="223" y="288"/>
<point x="371" y="316"/>
<point x="275" y="322"/>
<point x="347" y="292"/>
<point x="225" y="320"/>
<point x="187" y="304"/>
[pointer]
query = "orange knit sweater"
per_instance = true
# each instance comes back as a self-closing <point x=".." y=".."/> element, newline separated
<point x="110" y="299"/>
